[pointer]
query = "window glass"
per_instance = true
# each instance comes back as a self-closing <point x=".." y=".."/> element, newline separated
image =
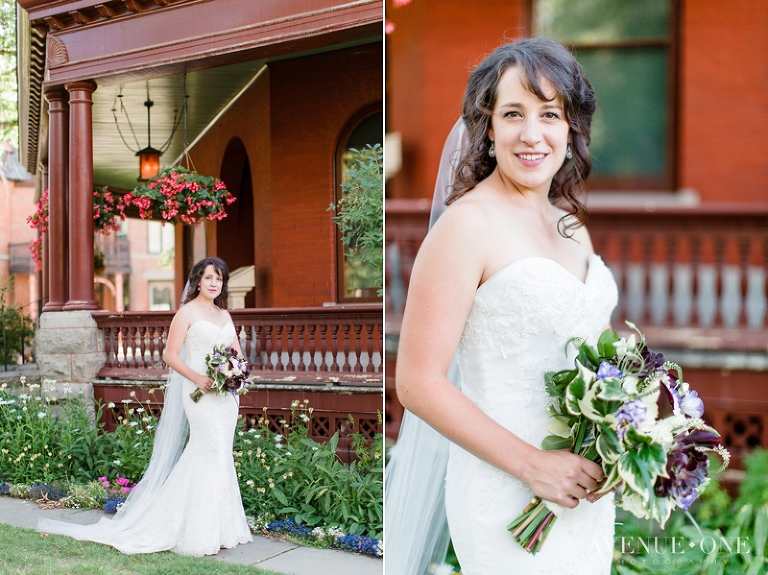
<point x="624" y="48"/>
<point x="160" y="296"/>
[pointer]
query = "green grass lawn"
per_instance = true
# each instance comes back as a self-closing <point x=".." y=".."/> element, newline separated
<point x="27" y="552"/>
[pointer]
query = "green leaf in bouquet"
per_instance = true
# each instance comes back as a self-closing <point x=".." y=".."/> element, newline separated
<point x="633" y="438"/>
<point x="634" y="472"/>
<point x="612" y="390"/>
<point x="553" y="443"/>
<point x="588" y="357"/>
<point x="605" y="346"/>
<point x="613" y="479"/>
<point x="661" y="509"/>
<point x="655" y="459"/>
<point x="608" y="445"/>
<point x="559" y="427"/>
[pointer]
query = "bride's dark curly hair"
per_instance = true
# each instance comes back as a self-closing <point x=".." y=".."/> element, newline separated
<point x="197" y="274"/>
<point x="538" y="59"/>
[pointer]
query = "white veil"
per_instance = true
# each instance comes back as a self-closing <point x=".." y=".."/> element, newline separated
<point x="170" y="438"/>
<point x="415" y="526"/>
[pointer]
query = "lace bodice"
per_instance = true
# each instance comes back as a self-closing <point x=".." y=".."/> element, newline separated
<point x="519" y="326"/>
<point x="201" y="337"/>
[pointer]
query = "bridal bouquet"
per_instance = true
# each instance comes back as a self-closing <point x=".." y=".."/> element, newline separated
<point x="629" y="410"/>
<point x="228" y="370"/>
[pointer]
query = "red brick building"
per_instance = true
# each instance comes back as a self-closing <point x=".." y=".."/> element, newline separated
<point x="679" y="194"/>
<point x="269" y="97"/>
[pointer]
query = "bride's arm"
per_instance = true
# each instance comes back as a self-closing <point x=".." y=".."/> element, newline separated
<point x="443" y="282"/>
<point x="179" y="326"/>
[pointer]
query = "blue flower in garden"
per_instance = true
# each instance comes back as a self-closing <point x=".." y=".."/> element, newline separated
<point x="608" y="370"/>
<point x="112" y="502"/>
<point x="632" y="412"/>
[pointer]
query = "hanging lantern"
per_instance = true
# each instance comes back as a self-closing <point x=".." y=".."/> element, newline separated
<point x="149" y="163"/>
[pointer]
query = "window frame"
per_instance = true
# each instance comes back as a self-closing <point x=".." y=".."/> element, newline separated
<point x="671" y="178"/>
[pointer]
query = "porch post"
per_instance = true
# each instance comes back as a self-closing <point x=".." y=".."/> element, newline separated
<point x="81" y="296"/>
<point x="57" y="262"/>
<point x="46" y="254"/>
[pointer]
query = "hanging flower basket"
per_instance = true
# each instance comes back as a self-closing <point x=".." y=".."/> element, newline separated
<point x="179" y="195"/>
<point x="108" y="212"/>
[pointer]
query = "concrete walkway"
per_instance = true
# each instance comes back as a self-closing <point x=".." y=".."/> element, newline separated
<point x="263" y="552"/>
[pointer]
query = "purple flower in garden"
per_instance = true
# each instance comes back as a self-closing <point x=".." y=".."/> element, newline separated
<point x="633" y="412"/>
<point x="692" y="405"/>
<point x="683" y="494"/>
<point x="608" y="370"/>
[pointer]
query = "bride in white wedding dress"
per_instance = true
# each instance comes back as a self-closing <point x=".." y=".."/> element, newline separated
<point x="187" y="502"/>
<point x="503" y="280"/>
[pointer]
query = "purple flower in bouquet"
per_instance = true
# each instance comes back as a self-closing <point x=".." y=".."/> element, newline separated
<point x="692" y="405"/>
<point x="633" y="412"/>
<point x="686" y="466"/>
<point x="653" y="360"/>
<point x="608" y="370"/>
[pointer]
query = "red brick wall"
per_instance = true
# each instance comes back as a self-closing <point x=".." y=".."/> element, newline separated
<point x="313" y="98"/>
<point x="290" y="122"/>
<point x="430" y="55"/>
<point x="724" y="99"/>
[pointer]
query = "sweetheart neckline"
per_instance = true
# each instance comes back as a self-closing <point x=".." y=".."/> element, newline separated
<point x="557" y="264"/>
<point x="229" y="321"/>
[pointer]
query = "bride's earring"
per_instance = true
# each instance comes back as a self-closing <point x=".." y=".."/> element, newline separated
<point x="492" y="150"/>
<point x="568" y="153"/>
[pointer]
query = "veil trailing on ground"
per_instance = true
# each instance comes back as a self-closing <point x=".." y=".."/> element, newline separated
<point x="170" y="438"/>
<point x="416" y="529"/>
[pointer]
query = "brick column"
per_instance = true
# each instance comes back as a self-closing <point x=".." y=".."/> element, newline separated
<point x="46" y="255"/>
<point x="81" y="296"/>
<point x="56" y="259"/>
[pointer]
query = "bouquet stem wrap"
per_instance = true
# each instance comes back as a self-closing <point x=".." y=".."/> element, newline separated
<point x="533" y="525"/>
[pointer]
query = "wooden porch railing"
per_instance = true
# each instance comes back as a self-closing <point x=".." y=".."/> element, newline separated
<point x="692" y="278"/>
<point x="303" y="345"/>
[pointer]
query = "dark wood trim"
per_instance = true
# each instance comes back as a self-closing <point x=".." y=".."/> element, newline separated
<point x="234" y="31"/>
<point x="344" y="134"/>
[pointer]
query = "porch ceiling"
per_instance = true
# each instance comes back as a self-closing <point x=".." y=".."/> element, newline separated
<point x="114" y="157"/>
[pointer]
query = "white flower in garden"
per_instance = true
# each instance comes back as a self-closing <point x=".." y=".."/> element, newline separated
<point x="440" y="569"/>
<point x="32" y="386"/>
<point x="4" y="385"/>
<point x="116" y="462"/>
<point x="111" y="405"/>
<point x="132" y="394"/>
<point x="140" y="410"/>
<point x="133" y="423"/>
<point x="250" y="483"/>
<point x="278" y="437"/>
<point x="41" y="415"/>
<point x="304" y="417"/>
<point x="139" y="431"/>
<point x="24" y="396"/>
<point x="126" y="401"/>
<point x="23" y="380"/>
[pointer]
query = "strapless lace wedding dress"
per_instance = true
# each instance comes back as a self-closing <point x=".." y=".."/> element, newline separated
<point x="197" y="510"/>
<point x="520" y="322"/>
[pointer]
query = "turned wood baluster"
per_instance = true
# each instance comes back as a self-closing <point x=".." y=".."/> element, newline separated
<point x="268" y="338"/>
<point x="358" y="347"/>
<point x="323" y="347"/>
<point x="142" y="346"/>
<point x="765" y="282"/>
<point x="719" y="244"/>
<point x="312" y="365"/>
<point x="108" y="347"/>
<point x="152" y="345"/>
<point x="134" y="339"/>
<point x="334" y="347"/>
<point x="695" y="242"/>
<point x="301" y="366"/>
<point x="671" y="245"/>
<point x="624" y="243"/>
<point x="248" y="348"/>
<point x="745" y="243"/>
<point x="346" y="366"/>
<point x="257" y="365"/>
<point x="369" y="329"/>
<point x="647" y="251"/>
<point x="279" y="341"/>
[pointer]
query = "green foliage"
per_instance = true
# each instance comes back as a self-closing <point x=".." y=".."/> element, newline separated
<point x="285" y="475"/>
<point x="360" y="218"/>
<point x="732" y="540"/>
<point x="9" y="121"/>
<point x="291" y="475"/>
<point x="12" y="321"/>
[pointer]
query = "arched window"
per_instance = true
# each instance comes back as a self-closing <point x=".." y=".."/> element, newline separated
<point x="359" y="202"/>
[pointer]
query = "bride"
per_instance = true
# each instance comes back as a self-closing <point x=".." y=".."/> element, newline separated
<point x="187" y="502"/>
<point x="503" y="280"/>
